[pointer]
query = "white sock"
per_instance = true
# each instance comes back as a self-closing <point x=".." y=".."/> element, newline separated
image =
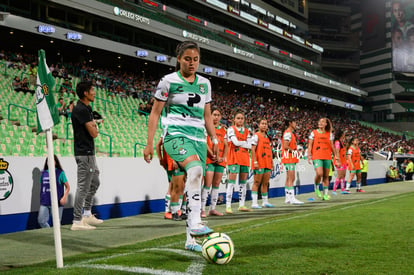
<point x="167" y="203"/>
<point x="358" y="185"/>
<point x="265" y="198"/>
<point x="204" y="196"/>
<point x="254" y="197"/>
<point x="193" y="187"/>
<point x="213" y="197"/>
<point x="348" y="185"/>
<point x="229" y="194"/>
<point x="87" y="213"/>
<point x="242" y="194"/>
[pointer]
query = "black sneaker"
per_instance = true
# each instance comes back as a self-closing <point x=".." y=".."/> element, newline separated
<point x="183" y="216"/>
<point x="176" y="217"/>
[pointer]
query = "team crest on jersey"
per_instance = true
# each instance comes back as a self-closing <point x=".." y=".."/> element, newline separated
<point x="182" y="151"/>
<point x="202" y="90"/>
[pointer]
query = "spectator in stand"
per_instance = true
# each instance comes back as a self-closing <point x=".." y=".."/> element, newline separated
<point x="17" y="84"/>
<point x="70" y="109"/>
<point x="61" y="106"/>
<point x="25" y="86"/>
<point x="32" y="74"/>
<point x="409" y="170"/>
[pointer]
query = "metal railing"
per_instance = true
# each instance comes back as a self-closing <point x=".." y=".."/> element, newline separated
<point x="110" y="142"/>
<point x="135" y="147"/>
<point x="116" y="105"/>
<point x="136" y="111"/>
<point x="21" y="107"/>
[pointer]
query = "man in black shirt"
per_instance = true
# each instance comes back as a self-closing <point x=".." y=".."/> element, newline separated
<point x="84" y="132"/>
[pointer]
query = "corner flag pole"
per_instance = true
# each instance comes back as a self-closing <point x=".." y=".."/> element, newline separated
<point x="47" y="117"/>
<point x="53" y="197"/>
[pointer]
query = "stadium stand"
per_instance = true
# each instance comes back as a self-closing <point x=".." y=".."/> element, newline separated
<point x="123" y="130"/>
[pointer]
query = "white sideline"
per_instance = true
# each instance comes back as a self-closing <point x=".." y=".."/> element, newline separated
<point x="198" y="263"/>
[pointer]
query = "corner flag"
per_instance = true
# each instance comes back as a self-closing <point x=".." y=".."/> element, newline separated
<point x="47" y="117"/>
<point x="47" y="113"/>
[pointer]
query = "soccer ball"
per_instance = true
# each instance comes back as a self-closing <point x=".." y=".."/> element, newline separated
<point x="218" y="248"/>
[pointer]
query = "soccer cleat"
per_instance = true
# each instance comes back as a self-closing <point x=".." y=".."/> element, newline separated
<point x="176" y="217"/>
<point x="82" y="225"/>
<point x="318" y="193"/>
<point x="360" y="191"/>
<point x="295" y="201"/>
<point x="229" y="210"/>
<point x="326" y="197"/>
<point x="268" y="205"/>
<point x="345" y="192"/>
<point x="244" y="209"/>
<point x="256" y="206"/>
<point x="92" y="220"/>
<point x="179" y="212"/>
<point x="214" y="212"/>
<point x="168" y="215"/>
<point x="334" y="193"/>
<point x="184" y="216"/>
<point x="193" y="246"/>
<point x="203" y="214"/>
<point x="200" y="230"/>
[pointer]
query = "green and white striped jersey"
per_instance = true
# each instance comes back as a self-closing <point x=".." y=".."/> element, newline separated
<point x="184" y="109"/>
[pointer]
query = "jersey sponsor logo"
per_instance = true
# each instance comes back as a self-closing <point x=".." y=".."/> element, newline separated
<point x="182" y="151"/>
<point x="180" y="89"/>
<point x="202" y="90"/>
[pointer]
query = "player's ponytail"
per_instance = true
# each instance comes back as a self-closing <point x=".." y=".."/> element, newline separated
<point x="181" y="49"/>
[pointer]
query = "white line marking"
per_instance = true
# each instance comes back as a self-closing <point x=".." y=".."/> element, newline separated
<point x="197" y="265"/>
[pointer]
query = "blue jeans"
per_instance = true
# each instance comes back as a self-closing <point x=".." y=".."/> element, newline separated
<point x="44" y="214"/>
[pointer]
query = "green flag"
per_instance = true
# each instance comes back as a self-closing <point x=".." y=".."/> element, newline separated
<point x="47" y="113"/>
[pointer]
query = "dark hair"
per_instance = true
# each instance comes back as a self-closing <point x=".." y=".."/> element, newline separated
<point x="351" y="140"/>
<point x="215" y="109"/>
<point x="328" y="126"/>
<point x="338" y="135"/>
<point x="82" y="87"/>
<point x="181" y="49"/>
<point x="238" y="111"/>
<point x="57" y="165"/>
<point x="286" y="124"/>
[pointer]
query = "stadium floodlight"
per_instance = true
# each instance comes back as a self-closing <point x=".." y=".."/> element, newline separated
<point x="142" y="53"/>
<point x="160" y="58"/>
<point x="208" y="70"/>
<point x="74" y="36"/>
<point x="220" y="73"/>
<point x="47" y="29"/>
<point x="256" y="82"/>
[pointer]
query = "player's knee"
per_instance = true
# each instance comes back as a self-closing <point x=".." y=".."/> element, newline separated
<point x="194" y="174"/>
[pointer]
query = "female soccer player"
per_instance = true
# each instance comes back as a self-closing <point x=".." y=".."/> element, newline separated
<point x="262" y="164"/>
<point x="186" y="97"/>
<point x="215" y="169"/>
<point x="289" y="160"/>
<point x="320" y="151"/>
<point x="238" y="161"/>
<point x="354" y="164"/>
<point x="341" y="166"/>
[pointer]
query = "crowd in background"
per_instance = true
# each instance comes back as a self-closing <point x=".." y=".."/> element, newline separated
<point x="126" y="84"/>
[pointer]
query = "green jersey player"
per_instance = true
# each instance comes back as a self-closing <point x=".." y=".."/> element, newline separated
<point x="185" y="98"/>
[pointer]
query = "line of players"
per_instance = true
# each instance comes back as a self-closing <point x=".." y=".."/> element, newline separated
<point x="241" y="151"/>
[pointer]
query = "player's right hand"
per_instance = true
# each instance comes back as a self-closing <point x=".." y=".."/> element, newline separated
<point x="148" y="153"/>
